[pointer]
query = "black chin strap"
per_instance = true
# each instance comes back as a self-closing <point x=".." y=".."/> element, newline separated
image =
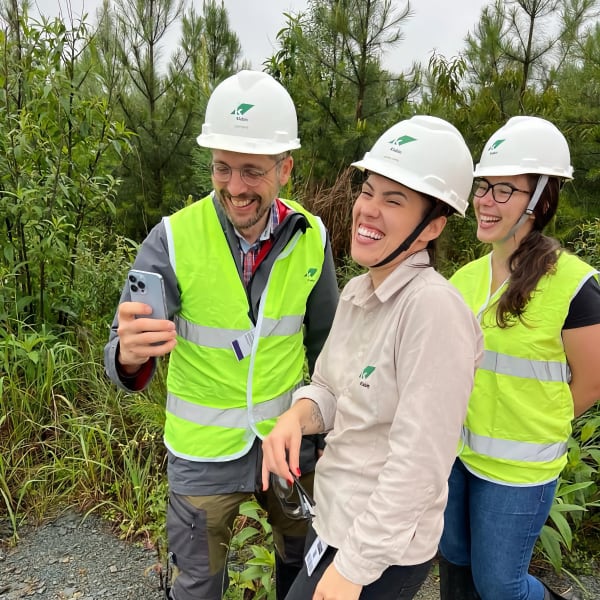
<point x="405" y="245"/>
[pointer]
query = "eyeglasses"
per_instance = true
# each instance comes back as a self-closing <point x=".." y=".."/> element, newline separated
<point x="251" y="176"/>
<point x="501" y="192"/>
<point x="294" y="499"/>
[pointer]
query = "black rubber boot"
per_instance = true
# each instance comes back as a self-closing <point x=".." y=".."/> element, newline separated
<point x="456" y="582"/>
<point x="550" y="594"/>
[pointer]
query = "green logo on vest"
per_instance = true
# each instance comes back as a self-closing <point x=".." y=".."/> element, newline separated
<point x="365" y="374"/>
<point x="311" y="274"/>
<point x="240" y="111"/>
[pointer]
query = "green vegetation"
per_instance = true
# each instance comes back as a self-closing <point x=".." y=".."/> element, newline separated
<point x="97" y="135"/>
<point x="252" y="546"/>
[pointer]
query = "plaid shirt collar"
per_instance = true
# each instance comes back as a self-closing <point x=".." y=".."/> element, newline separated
<point x="272" y="223"/>
<point x="249" y="253"/>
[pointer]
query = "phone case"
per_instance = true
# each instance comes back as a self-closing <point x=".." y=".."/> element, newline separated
<point x="148" y="288"/>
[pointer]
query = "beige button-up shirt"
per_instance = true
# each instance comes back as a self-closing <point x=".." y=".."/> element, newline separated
<point x="392" y="383"/>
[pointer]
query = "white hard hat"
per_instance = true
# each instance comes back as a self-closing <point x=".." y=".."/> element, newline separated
<point x="526" y="145"/>
<point x="426" y="154"/>
<point x="251" y="113"/>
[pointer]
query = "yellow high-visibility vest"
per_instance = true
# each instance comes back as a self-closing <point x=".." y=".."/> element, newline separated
<point x="229" y="379"/>
<point x="520" y="411"/>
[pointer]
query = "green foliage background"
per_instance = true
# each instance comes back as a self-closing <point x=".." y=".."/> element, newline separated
<point x="97" y="142"/>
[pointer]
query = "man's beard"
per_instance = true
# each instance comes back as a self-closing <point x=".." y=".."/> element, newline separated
<point x="260" y="209"/>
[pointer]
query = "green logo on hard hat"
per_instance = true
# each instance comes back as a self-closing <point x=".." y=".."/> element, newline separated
<point x="404" y="139"/>
<point x="400" y="141"/>
<point x="495" y="145"/>
<point x="242" y="109"/>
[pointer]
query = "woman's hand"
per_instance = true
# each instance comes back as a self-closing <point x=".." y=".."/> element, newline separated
<point x="334" y="586"/>
<point x="281" y="448"/>
<point x="282" y="445"/>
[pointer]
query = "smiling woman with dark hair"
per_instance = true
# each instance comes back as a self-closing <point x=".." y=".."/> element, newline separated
<point x="392" y="382"/>
<point x="539" y="308"/>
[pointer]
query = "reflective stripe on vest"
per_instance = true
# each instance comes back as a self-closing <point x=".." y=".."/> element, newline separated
<point x="231" y="417"/>
<point x="511" y="450"/>
<point x="505" y="364"/>
<point x="213" y="337"/>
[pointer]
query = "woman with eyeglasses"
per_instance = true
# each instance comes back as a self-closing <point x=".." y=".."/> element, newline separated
<point x="539" y="309"/>
<point x="392" y="382"/>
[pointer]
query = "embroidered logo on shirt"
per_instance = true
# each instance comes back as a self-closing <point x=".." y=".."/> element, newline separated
<point x="241" y="110"/>
<point x="365" y="374"/>
<point x="311" y="274"/>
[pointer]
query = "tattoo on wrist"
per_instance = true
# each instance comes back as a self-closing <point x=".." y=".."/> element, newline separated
<point x="317" y="418"/>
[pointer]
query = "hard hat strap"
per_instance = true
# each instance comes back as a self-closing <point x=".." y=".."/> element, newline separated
<point x="405" y="245"/>
<point x="535" y="197"/>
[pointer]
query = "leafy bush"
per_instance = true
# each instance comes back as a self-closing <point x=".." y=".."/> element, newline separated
<point x="251" y="555"/>
<point x="58" y="148"/>
<point x="587" y="242"/>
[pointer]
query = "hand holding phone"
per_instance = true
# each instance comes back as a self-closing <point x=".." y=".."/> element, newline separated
<point x="143" y="336"/>
<point x="148" y="288"/>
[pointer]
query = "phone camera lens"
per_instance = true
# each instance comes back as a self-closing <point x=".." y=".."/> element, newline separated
<point x="134" y="288"/>
<point x="132" y="278"/>
<point x="141" y="285"/>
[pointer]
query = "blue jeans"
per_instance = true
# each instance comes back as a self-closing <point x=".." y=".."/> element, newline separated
<point x="493" y="528"/>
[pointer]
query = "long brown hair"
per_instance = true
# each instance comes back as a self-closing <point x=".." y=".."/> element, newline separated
<point x="535" y="256"/>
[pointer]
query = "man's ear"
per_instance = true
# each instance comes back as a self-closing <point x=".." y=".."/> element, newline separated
<point x="285" y="169"/>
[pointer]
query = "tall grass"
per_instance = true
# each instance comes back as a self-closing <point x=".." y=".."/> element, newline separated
<point x="69" y="438"/>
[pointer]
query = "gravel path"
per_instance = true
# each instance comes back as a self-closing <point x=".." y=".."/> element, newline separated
<point x="68" y="559"/>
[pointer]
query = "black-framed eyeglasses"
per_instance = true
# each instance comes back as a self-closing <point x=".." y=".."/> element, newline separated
<point x="251" y="176"/>
<point x="295" y="501"/>
<point x="501" y="192"/>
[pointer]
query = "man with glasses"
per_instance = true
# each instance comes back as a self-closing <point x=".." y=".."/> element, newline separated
<point x="251" y="292"/>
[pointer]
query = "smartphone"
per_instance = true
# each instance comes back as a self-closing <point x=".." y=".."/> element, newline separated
<point x="148" y="288"/>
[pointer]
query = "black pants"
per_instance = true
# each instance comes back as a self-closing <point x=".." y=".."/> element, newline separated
<point x="396" y="582"/>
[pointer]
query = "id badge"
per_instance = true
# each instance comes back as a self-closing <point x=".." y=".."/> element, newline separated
<point x="314" y="555"/>
<point x="242" y="347"/>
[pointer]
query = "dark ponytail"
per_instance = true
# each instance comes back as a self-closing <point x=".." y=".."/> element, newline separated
<point x="536" y="256"/>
